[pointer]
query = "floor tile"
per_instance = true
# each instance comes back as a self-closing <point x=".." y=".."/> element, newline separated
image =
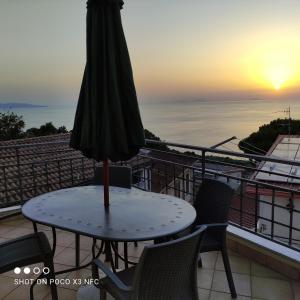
<point x="238" y="264"/>
<point x="65" y="239"/>
<point x="265" y="284"/>
<point x="204" y="278"/>
<point x="4" y="229"/>
<point x="17" y="232"/>
<point x="61" y="267"/>
<point x="209" y="259"/>
<point x="85" y="243"/>
<point x="67" y="256"/>
<point x="58" y="249"/>
<point x="203" y="294"/>
<point x="14" y="222"/>
<point x="64" y="294"/>
<point x="241" y="281"/>
<point x="225" y="296"/>
<point x="6" y="286"/>
<point x="29" y="225"/>
<point x="271" y="289"/>
<point x="77" y="278"/>
<point x="296" y="289"/>
<point x="23" y="292"/>
<point x="43" y="227"/>
<point x="92" y="290"/>
<point x="262" y="271"/>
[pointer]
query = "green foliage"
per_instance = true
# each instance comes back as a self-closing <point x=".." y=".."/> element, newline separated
<point x="46" y="129"/>
<point x="11" y="126"/>
<point x="151" y="136"/>
<point x="267" y="134"/>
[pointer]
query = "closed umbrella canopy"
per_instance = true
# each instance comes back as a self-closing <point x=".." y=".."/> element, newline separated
<point x="107" y="122"/>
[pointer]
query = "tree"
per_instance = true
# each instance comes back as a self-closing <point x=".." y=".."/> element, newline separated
<point x="151" y="136"/>
<point x="266" y="135"/>
<point x="46" y="129"/>
<point x="11" y="126"/>
<point x="62" y="129"/>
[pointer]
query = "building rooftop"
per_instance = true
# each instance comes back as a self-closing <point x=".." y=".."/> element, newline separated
<point x="285" y="147"/>
<point x="33" y="166"/>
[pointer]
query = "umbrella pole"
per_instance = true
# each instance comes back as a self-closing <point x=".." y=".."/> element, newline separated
<point x="106" y="182"/>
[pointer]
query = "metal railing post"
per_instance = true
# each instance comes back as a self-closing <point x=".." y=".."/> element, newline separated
<point x="291" y="208"/>
<point x="19" y="174"/>
<point x="5" y="184"/>
<point x="272" y="213"/>
<point x="241" y="201"/>
<point x="256" y="203"/>
<point x="203" y="164"/>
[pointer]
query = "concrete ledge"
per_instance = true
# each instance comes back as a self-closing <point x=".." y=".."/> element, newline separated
<point x="277" y="257"/>
<point x="9" y="211"/>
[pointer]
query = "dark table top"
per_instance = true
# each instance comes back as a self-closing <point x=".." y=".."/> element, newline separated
<point x="133" y="214"/>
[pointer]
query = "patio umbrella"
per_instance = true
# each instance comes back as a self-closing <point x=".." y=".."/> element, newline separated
<point x="107" y="123"/>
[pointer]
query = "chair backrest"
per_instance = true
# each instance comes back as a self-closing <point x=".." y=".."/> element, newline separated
<point x="169" y="270"/>
<point x="213" y="202"/>
<point x="118" y="176"/>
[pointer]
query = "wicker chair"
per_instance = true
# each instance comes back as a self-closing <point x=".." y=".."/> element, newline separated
<point x="29" y="249"/>
<point x="212" y="205"/>
<point x="165" y="271"/>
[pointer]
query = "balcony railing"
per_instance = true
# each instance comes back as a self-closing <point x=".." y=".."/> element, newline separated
<point x="268" y="209"/>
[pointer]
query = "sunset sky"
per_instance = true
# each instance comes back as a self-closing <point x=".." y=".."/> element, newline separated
<point x="179" y="49"/>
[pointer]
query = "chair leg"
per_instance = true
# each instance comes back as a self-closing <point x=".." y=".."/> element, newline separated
<point x="126" y="255"/>
<point x="116" y="255"/>
<point x="77" y="250"/>
<point x="54" y="240"/>
<point x="51" y="275"/>
<point x="199" y="261"/>
<point x="34" y="227"/>
<point x="31" y="292"/>
<point x="228" y="273"/>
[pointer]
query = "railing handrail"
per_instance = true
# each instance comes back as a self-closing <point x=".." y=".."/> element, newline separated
<point x="183" y="146"/>
<point x="78" y="172"/>
<point x="249" y="180"/>
<point x="226" y="152"/>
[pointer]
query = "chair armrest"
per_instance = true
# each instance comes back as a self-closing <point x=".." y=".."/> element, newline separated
<point x="213" y="226"/>
<point x="114" y="278"/>
<point x="216" y="225"/>
<point x="19" y="239"/>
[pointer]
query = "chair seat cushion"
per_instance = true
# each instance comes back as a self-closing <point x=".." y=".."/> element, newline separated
<point x="23" y="251"/>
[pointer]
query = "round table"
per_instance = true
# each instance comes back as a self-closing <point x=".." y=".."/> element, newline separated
<point x="133" y="214"/>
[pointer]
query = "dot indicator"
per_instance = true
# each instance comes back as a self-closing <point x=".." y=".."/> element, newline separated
<point x="26" y="270"/>
<point x="17" y="270"/>
<point x="36" y="270"/>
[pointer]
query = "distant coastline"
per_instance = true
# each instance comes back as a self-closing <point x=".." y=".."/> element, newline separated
<point x="12" y="105"/>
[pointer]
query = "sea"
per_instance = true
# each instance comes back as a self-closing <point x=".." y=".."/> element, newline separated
<point x="201" y="123"/>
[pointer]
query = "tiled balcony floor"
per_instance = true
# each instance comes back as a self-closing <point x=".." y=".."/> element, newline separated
<point x="252" y="280"/>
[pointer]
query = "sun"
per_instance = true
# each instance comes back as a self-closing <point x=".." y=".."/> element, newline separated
<point x="273" y="68"/>
<point x="278" y="74"/>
